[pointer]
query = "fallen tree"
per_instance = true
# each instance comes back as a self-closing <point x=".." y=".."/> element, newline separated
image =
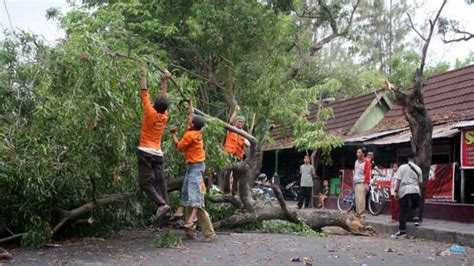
<point x="252" y="211"/>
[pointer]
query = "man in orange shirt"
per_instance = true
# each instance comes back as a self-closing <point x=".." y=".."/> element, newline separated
<point x="191" y="194"/>
<point x="235" y="146"/>
<point x="151" y="172"/>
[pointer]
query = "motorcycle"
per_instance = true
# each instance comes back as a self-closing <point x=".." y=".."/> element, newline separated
<point x="291" y="190"/>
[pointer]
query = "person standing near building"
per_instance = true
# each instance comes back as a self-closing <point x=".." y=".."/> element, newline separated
<point x="306" y="183"/>
<point x="394" y="209"/>
<point x="407" y="190"/>
<point x="361" y="179"/>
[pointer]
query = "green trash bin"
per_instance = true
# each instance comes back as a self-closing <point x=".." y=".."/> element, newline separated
<point x="334" y="186"/>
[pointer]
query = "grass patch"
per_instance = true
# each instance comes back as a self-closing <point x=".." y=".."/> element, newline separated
<point x="285" y="227"/>
<point x="168" y="240"/>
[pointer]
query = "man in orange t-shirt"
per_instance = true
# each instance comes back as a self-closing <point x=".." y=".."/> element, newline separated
<point x="151" y="174"/>
<point x="235" y="146"/>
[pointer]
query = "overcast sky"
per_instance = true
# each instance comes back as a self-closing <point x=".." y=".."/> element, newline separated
<point x="30" y="15"/>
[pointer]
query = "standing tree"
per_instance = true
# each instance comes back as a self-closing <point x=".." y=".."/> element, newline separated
<point x="415" y="111"/>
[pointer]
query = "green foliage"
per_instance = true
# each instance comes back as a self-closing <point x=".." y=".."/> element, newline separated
<point x="219" y="211"/>
<point x="168" y="240"/>
<point x="37" y="234"/>
<point x="70" y="114"/>
<point x="285" y="227"/>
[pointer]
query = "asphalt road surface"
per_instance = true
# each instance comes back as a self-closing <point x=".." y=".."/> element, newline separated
<point x="135" y="248"/>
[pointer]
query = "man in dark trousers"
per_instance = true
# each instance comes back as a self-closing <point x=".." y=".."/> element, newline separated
<point x="407" y="190"/>
<point x="306" y="183"/>
<point x="151" y="172"/>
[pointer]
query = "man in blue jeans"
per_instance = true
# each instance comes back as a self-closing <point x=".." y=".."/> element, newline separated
<point x="407" y="190"/>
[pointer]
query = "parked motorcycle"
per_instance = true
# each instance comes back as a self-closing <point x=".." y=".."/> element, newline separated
<point x="291" y="190"/>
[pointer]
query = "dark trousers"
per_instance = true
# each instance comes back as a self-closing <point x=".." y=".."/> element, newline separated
<point x="409" y="201"/>
<point x="151" y="177"/>
<point x="305" y="195"/>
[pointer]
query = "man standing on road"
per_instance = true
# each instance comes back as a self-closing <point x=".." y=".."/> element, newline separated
<point x="407" y="189"/>
<point x="361" y="179"/>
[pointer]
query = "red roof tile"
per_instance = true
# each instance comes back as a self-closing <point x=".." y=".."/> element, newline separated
<point x="346" y="113"/>
<point x="448" y="97"/>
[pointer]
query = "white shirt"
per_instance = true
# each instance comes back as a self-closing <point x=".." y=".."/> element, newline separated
<point x="409" y="179"/>
<point x="307" y="172"/>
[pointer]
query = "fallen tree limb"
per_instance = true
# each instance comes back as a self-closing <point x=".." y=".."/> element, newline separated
<point x="315" y="219"/>
<point x="75" y="213"/>
<point x="234" y="200"/>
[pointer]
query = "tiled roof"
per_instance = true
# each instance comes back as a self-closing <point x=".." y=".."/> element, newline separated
<point x="346" y="113"/>
<point x="448" y="97"/>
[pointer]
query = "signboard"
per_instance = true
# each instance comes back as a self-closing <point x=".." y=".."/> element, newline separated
<point x="440" y="185"/>
<point x="467" y="148"/>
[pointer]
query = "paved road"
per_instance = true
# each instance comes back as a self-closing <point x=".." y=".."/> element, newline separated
<point x="134" y="248"/>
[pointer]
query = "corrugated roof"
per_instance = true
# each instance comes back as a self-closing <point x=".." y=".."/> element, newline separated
<point x="364" y="136"/>
<point x="448" y="97"/>
<point x="346" y="113"/>
<point x="463" y="124"/>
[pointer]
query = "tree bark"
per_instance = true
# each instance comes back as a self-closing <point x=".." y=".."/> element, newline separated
<point x="415" y="112"/>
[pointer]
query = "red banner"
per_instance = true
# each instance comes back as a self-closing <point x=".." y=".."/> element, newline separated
<point x="440" y="181"/>
<point x="467" y="148"/>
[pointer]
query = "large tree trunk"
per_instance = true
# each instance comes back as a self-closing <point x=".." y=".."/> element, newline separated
<point x="416" y="114"/>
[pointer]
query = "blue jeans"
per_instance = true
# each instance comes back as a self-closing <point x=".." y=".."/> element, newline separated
<point x="191" y="195"/>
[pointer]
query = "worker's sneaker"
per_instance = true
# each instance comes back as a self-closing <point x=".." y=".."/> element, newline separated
<point x="399" y="234"/>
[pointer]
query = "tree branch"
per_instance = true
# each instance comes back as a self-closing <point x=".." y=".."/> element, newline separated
<point x="234" y="200"/>
<point x="467" y="36"/>
<point x="332" y="21"/>
<point x="419" y="72"/>
<point x="293" y="72"/>
<point x="252" y="139"/>
<point x="414" y="28"/>
<point x="73" y="214"/>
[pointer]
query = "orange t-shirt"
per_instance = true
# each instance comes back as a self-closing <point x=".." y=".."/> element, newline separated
<point x="193" y="147"/>
<point x="234" y="144"/>
<point x="153" y="124"/>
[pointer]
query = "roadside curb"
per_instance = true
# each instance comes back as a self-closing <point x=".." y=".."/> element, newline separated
<point x="450" y="236"/>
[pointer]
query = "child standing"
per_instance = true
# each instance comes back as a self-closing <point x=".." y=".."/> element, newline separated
<point x="393" y="201"/>
<point x="192" y="145"/>
<point x="192" y="190"/>
<point x="323" y="195"/>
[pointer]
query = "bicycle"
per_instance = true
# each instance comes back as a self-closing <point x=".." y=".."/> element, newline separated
<point x="346" y="199"/>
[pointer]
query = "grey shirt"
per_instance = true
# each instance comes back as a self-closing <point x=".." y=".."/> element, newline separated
<point x="409" y="179"/>
<point x="306" y="172"/>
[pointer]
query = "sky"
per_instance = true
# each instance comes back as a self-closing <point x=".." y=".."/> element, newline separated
<point x="30" y="15"/>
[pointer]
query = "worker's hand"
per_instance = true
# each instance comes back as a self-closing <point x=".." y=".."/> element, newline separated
<point x="173" y="130"/>
<point x="237" y="108"/>
<point x="165" y="74"/>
